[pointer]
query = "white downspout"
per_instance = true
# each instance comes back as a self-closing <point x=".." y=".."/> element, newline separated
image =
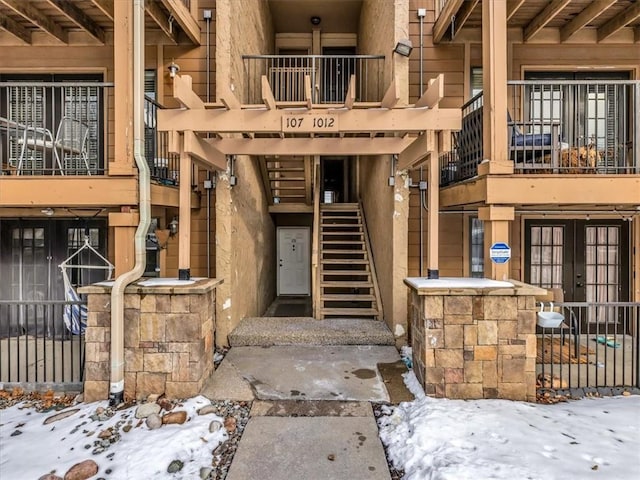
<point x="116" y="387"/>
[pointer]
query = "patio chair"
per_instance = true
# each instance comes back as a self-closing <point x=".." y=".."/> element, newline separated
<point x="70" y="141"/>
<point x="534" y="147"/>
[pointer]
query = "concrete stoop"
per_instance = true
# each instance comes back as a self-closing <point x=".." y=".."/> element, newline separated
<point x="272" y="331"/>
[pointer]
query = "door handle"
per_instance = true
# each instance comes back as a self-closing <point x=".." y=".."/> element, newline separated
<point x="579" y="284"/>
<point x="280" y="262"/>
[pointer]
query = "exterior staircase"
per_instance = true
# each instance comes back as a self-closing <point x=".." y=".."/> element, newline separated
<point x="287" y="179"/>
<point x="347" y="283"/>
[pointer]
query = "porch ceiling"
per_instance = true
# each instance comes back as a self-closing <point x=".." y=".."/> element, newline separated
<point x="294" y="16"/>
<point x="557" y="21"/>
<point x="80" y="22"/>
<point x="305" y="128"/>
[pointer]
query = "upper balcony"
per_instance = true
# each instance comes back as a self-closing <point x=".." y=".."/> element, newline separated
<point x="66" y="129"/>
<point x="556" y="127"/>
<point x="321" y="79"/>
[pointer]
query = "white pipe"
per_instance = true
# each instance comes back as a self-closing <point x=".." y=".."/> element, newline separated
<point x="116" y="387"/>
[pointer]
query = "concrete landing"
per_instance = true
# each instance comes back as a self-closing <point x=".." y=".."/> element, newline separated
<point x="268" y="331"/>
<point x="318" y="448"/>
<point x="302" y="373"/>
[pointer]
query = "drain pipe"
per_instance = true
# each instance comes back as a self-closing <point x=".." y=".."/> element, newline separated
<point x="116" y="386"/>
<point x="421" y="14"/>
<point x="207" y="14"/>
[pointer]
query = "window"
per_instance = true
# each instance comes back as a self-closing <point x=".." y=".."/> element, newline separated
<point x="476" y="248"/>
<point x="476" y="80"/>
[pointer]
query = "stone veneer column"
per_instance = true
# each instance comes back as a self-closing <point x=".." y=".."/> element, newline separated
<point x="474" y="342"/>
<point x="168" y="339"/>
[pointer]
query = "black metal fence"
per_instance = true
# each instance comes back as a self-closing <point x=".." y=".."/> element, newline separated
<point x="597" y="345"/>
<point x="36" y="348"/>
<point x="164" y="167"/>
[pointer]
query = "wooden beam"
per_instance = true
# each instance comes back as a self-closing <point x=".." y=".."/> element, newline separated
<point x="203" y="152"/>
<point x="184" y="18"/>
<point x="463" y="15"/>
<point x="105" y="6"/>
<point x="349" y="121"/>
<point x="184" y="94"/>
<point x="636" y="35"/>
<point x="227" y="98"/>
<point x="184" y="212"/>
<point x="267" y="94"/>
<point x="585" y="17"/>
<point x="433" y="217"/>
<point x="161" y="19"/>
<point x="308" y="94"/>
<point x="291" y="208"/>
<point x="544" y="17"/>
<point x="266" y="181"/>
<point x="512" y="7"/>
<point x="444" y="19"/>
<point x="80" y="18"/>
<point x="433" y="94"/>
<point x="14" y="28"/>
<point x="419" y="148"/>
<point x="621" y="20"/>
<point x="311" y="146"/>
<point x="28" y="11"/>
<point x="350" y="97"/>
<point x="391" y="96"/>
<point x="308" y="172"/>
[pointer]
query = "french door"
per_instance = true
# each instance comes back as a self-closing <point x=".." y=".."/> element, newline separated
<point x="587" y="259"/>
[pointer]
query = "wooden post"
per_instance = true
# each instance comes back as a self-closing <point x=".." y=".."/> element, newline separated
<point x="184" y="227"/>
<point x="494" y="71"/>
<point x="123" y="89"/>
<point x="124" y="225"/>
<point x="433" y="212"/>
<point x="496" y="229"/>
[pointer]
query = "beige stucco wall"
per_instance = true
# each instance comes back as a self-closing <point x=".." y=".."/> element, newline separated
<point x="386" y="212"/>
<point x="242" y="28"/>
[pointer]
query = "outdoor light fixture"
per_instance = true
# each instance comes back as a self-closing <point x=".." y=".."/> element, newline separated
<point x="404" y="47"/>
<point x="48" y="211"/>
<point x="174" y="68"/>
<point x="315" y="20"/>
<point x="173" y="227"/>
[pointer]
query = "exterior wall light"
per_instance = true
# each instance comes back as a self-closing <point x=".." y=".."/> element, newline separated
<point x="173" y="227"/>
<point x="48" y="211"/>
<point x="174" y="68"/>
<point x="404" y="47"/>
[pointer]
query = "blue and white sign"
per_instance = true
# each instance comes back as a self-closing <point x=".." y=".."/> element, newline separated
<point x="500" y="252"/>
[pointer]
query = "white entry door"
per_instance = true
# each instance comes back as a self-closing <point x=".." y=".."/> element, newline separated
<point x="293" y="261"/>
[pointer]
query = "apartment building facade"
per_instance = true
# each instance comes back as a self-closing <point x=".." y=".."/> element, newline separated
<point x="306" y="148"/>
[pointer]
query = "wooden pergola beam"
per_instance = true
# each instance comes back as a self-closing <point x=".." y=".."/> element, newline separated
<point x="433" y="94"/>
<point x="183" y="17"/>
<point x="463" y="15"/>
<point x="227" y="98"/>
<point x="204" y="153"/>
<point x="14" y="28"/>
<point x="444" y="19"/>
<point x="161" y="19"/>
<point x="419" y="148"/>
<point x="80" y="18"/>
<point x="512" y="7"/>
<point x="35" y="16"/>
<point x="544" y="17"/>
<point x="267" y="94"/>
<point x="584" y="18"/>
<point x="348" y="121"/>
<point x="308" y="94"/>
<point x="184" y="94"/>
<point x="310" y="146"/>
<point x="391" y="97"/>
<point x="620" y="21"/>
<point x="105" y="6"/>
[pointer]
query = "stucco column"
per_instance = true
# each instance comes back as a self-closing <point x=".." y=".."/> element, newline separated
<point x="497" y="221"/>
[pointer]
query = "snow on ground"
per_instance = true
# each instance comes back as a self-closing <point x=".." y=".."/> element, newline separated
<point x="140" y="454"/>
<point x="439" y="439"/>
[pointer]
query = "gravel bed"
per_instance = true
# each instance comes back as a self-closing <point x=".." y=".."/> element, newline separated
<point x="378" y="412"/>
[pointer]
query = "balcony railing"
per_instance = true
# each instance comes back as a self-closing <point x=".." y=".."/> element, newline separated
<point x="329" y="77"/>
<point x="164" y="166"/>
<point x="54" y="128"/>
<point x="559" y="127"/>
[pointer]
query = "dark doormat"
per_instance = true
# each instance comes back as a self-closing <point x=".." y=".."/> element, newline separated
<point x="291" y="310"/>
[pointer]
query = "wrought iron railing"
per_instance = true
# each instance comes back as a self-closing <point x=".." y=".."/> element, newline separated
<point x="562" y="127"/>
<point x="597" y="346"/>
<point x="54" y="128"/>
<point x="329" y="77"/>
<point x="164" y="166"/>
<point x="36" y="348"/>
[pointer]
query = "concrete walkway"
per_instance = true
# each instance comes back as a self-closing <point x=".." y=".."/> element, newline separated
<point x="311" y="416"/>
